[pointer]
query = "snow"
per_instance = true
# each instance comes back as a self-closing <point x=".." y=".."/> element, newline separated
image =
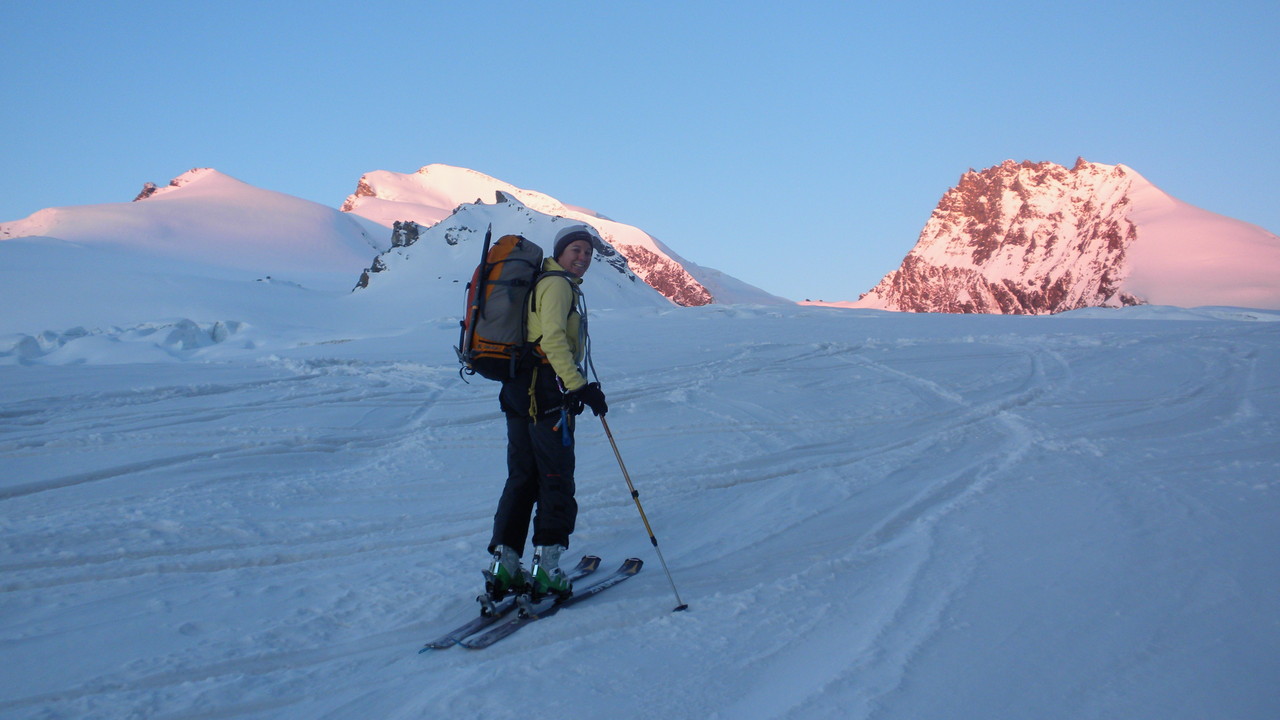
<point x="441" y="187"/>
<point x="231" y="497"/>
<point x="435" y="191"/>
<point x="1098" y="234"/>
<point x="1188" y="256"/>
<point x="213" y="219"/>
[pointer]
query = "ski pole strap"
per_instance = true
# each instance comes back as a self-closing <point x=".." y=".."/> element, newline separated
<point x="566" y="436"/>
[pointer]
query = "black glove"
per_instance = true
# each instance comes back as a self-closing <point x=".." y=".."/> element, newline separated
<point x="590" y="395"/>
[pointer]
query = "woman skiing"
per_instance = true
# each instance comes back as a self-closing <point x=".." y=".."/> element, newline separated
<point x="540" y="404"/>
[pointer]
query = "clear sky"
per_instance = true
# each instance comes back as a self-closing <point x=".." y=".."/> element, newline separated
<point x="797" y="146"/>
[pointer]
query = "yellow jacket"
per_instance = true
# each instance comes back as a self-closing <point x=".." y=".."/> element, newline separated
<point x="555" y="325"/>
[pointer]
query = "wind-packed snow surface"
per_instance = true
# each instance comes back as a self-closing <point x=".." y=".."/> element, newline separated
<point x="871" y="515"/>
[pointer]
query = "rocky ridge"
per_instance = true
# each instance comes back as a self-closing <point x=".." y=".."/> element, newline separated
<point x="1020" y="238"/>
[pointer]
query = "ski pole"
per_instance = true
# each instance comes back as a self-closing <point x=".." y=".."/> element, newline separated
<point x="680" y="604"/>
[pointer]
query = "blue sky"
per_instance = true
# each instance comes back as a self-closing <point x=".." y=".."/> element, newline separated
<point x="798" y="148"/>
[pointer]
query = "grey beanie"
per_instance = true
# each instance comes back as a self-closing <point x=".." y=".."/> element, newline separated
<point x="573" y="233"/>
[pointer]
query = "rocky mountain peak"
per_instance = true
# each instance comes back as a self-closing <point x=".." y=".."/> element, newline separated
<point x="363" y="189"/>
<point x="1019" y="238"/>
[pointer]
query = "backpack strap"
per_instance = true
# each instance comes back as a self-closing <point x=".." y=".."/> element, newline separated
<point x="531" y="347"/>
<point x="568" y="277"/>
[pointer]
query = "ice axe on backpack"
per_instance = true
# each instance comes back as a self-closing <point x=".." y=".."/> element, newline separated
<point x="635" y="495"/>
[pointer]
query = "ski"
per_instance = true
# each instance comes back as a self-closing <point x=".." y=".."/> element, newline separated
<point x="550" y="607"/>
<point x="587" y="565"/>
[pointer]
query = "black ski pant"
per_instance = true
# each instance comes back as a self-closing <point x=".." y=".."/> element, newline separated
<point x="539" y="474"/>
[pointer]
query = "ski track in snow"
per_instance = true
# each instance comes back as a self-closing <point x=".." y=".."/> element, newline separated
<point x="866" y="525"/>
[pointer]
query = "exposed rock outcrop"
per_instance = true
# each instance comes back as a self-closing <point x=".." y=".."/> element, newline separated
<point x="1020" y="238"/>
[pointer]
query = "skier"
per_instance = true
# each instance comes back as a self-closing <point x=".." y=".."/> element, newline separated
<point x="540" y="403"/>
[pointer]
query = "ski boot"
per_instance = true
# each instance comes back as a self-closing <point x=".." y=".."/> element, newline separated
<point x="504" y="577"/>
<point x="547" y="579"/>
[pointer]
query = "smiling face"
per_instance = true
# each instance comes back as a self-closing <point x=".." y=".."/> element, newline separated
<point x="576" y="257"/>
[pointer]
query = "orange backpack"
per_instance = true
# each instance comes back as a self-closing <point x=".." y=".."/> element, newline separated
<point x="492" y="342"/>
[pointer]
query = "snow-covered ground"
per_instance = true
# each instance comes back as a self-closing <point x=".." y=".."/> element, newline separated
<point x="871" y="515"/>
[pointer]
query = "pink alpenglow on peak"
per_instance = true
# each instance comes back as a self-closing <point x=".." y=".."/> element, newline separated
<point x="1036" y="238"/>
<point x="207" y="217"/>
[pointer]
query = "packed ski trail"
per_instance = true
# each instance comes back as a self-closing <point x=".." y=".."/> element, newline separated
<point x="870" y="515"/>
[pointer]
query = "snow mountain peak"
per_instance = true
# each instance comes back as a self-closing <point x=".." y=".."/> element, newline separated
<point x="190" y="177"/>
<point x="1036" y="237"/>
<point x="432" y="193"/>
<point x="451" y="197"/>
<point x="211" y="219"/>
<point x="427" y="263"/>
